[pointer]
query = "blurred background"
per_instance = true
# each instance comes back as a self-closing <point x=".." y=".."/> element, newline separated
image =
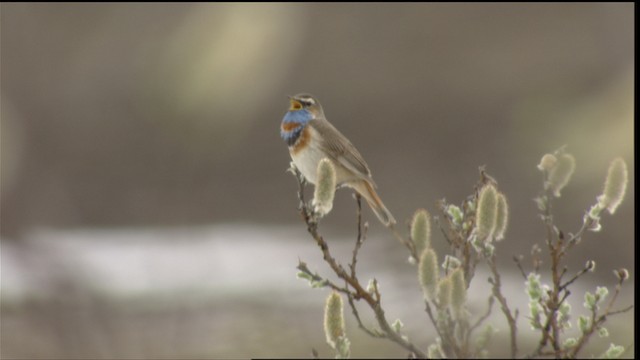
<point x="145" y="207"/>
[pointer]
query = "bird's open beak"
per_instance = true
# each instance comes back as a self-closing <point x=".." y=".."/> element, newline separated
<point x="295" y="104"/>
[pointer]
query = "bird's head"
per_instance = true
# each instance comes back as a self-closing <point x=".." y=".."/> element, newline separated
<point x="305" y="102"/>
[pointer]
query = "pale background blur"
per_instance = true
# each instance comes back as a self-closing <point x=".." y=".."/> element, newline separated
<point x="146" y="212"/>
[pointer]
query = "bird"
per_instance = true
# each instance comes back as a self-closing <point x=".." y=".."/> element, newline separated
<point x="311" y="138"/>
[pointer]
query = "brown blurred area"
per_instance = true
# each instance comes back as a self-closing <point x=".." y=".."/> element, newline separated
<point x="167" y="115"/>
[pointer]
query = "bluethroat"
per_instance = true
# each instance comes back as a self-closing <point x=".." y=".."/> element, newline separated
<point x="311" y="138"/>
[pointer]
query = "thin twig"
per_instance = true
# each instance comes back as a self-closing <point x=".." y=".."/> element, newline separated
<point x="302" y="266"/>
<point x="407" y="243"/>
<point x="441" y="205"/>
<point x="447" y="341"/>
<point x="597" y="321"/>
<point x="358" y="291"/>
<point x="545" y="334"/>
<point x="518" y="261"/>
<point x="356" y="314"/>
<point x="360" y="238"/>
<point x="554" y="242"/>
<point x="574" y="278"/>
<point x="511" y="318"/>
<point x="484" y="317"/>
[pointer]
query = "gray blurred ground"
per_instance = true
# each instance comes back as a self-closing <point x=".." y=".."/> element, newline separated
<point x="165" y="116"/>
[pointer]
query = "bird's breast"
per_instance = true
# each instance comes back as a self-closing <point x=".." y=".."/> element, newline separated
<point x="302" y="140"/>
<point x="291" y="132"/>
<point x="293" y="124"/>
<point x="306" y="153"/>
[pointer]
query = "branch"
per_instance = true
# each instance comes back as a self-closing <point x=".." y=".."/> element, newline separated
<point x="518" y="261"/>
<point x="359" y="292"/>
<point x="574" y="278"/>
<point x="483" y="318"/>
<point x="361" y="236"/>
<point x="447" y="340"/>
<point x="511" y="318"/>
<point x="597" y="321"/>
<point x="374" y="333"/>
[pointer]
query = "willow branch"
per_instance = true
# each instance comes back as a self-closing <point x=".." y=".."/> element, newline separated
<point x="359" y="292"/>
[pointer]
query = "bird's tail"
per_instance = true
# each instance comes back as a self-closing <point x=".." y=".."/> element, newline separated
<point x="366" y="190"/>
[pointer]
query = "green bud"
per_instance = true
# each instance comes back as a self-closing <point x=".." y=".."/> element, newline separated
<point x="603" y="332"/>
<point x="565" y="309"/>
<point x="421" y="230"/>
<point x="485" y="336"/>
<point x="444" y="292"/>
<point x="434" y="352"/>
<point x="592" y="218"/>
<point x="541" y="202"/>
<point x="343" y="346"/>
<point x="304" y="275"/>
<point x="397" y="325"/>
<point x="614" y="186"/>
<point x="371" y="286"/>
<point x="535" y="311"/>
<point x="318" y="284"/>
<point x="325" y="187"/>
<point x="334" y="319"/>
<point x="561" y="173"/>
<point x="455" y="214"/>
<point x="471" y="204"/>
<point x="450" y="263"/>
<point x="458" y="292"/>
<point x="534" y="288"/>
<point x="589" y="301"/>
<point x="487" y="212"/>
<point x="563" y="315"/>
<point x="595" y="210"/>
<point x="428" y="273"/>
<point x="502" y="217"/>
<point x="478" y="244"/>
<point x="547" y="162"/>
<point x="601" y="293"/>
<point x="613" y="352"/>
<point x="622" y="274"/>
<point x="488" y="250"/>
<point x="583" y="323"/>
<point x="570" y="342"/>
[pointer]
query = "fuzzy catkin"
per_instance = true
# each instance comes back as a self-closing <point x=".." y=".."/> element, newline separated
<point x="615" y="185"/>
<point x="334" y="319"/>
<point x="428" y="273"/>
<point x="502" y="217"/>
<point x="421" y="230"/>
<point x="458" y="291"/>
<point x="560" y="174"/>
<point x="487" y="212"/>
<point x="325" y="187"/>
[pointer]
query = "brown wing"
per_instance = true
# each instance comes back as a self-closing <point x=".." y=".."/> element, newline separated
<point x="341" y="149"/>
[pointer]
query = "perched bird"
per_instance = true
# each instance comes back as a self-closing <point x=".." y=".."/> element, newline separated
<point x="311" y="138"/>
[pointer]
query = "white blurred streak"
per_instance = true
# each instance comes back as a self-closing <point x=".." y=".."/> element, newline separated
<point x="144" y="292"/>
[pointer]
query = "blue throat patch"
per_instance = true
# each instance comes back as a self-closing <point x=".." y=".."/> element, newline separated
<point x="300" y="117"/>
